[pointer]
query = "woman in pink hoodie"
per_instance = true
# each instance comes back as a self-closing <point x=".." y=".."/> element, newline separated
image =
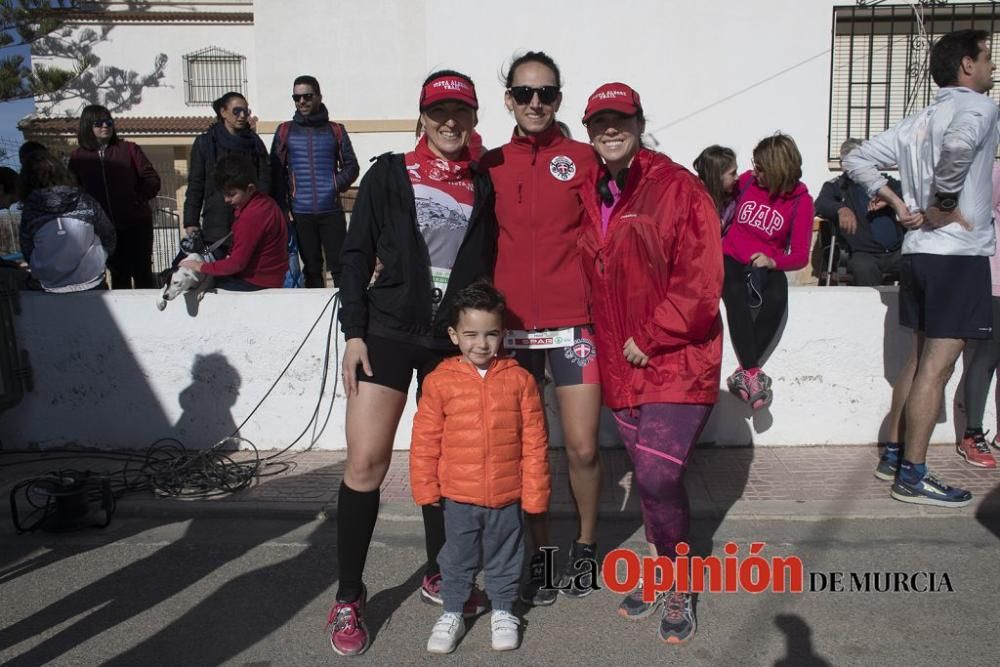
<point x="769" y="234"/>
<point x="985" y="362"/>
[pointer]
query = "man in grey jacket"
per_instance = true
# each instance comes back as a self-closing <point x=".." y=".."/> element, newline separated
<point x="945" y="156"/>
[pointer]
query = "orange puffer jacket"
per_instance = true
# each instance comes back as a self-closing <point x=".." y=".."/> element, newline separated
<point x="480" y="440"/>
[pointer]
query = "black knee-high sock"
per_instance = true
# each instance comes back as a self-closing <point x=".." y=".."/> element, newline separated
<point x="433" y="537"/>
<point x="356" y="515"/>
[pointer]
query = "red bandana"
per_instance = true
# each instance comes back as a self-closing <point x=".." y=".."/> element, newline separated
<point x="454" y="178"/>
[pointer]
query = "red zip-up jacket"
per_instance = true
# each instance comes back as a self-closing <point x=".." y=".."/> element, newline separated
<point x="260" y="245"/>
<point x="539" y="181"/>
<point x="657" y="277"/>
<point x="122" y="180"/>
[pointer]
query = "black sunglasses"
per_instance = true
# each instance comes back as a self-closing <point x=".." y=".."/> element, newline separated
<point x="524" y="94"/>
<point x="302" y="96"/>
<point x="241" y="111"/>
<point x="104" y="122"/>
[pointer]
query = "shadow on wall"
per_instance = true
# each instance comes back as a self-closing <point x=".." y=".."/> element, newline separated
<point x="207" y="404"/>
<point x="80" y="368"/>
<point x="897" y="343"/>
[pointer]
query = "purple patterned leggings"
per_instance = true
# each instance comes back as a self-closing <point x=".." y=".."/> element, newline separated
<point x="659" y="438"/>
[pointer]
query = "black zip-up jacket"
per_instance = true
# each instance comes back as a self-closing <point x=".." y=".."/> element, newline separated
<point x="204" y="204"/>
<point x="384" y="225"/>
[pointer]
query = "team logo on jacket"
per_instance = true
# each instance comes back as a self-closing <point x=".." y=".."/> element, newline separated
<point x="580" y="352"/>
<point x="562" y="168"/>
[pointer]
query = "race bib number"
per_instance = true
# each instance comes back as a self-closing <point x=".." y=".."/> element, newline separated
<point x="439" y="285"/>
<point x="538" y="340"/>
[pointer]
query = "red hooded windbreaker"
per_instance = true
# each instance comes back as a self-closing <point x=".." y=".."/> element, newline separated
<point x="656" y="277"/>
<point x="539" y="181"/>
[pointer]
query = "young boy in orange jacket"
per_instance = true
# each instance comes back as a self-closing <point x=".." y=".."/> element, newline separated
<point x="479" y="448"/>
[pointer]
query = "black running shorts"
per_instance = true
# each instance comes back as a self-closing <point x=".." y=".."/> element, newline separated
<point x="946" y="296"/>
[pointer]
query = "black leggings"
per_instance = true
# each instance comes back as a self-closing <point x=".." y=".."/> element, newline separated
<point x="750" y="336"/>
<point x="979" y="374"/>
<point x="132" y="261"/>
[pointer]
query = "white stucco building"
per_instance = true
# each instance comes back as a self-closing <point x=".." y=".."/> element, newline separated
<point x="712" y="71"/>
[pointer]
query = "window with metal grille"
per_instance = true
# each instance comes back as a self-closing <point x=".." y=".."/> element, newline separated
<point x="879" y="70"/>
<point x="212" y="72"/>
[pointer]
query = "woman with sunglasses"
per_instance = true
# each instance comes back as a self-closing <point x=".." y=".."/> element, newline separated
<point x="540" y="177"/>
<point x="230" y="134"/>
<point x="431" y="223"/>
<point x="653" y="257"/>
<point x="769" y="234"/>
<point x="123" y="181"/>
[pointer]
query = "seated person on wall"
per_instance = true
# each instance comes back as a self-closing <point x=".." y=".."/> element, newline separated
<point x="868" y="226"/>
<point x="66" y="237"/>
<point x="259" y="256"/>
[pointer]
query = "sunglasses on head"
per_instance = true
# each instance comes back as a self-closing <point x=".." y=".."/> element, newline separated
<point x="104" y="122"/>
<point x="302" y="96"/>
<point x="524" y="94"/>
<point x="241" y="111"/>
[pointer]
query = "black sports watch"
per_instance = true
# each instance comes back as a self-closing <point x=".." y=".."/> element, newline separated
<point x="946" y="201"/>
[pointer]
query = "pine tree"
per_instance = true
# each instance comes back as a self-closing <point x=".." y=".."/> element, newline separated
<point x="25" y="22"/>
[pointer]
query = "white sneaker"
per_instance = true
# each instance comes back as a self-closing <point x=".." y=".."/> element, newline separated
<point x="504" y="630"/>
<point x="446" y="633"/>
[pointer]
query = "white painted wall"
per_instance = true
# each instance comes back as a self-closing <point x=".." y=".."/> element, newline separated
<point x="112" y="371"/>
<point x="712" y="71"/>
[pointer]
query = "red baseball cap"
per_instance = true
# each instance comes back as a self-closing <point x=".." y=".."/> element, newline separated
<point x="448" y="88"/>
<point x="613" y="97"/>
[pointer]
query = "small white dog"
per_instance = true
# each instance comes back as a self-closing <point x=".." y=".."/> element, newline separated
<point x="185" y="280"/>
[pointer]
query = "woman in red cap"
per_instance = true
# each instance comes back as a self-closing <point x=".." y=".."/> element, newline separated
<point x="539" y="177"/>
<point x="653" y="258"/>
<point x="431" y="223"/>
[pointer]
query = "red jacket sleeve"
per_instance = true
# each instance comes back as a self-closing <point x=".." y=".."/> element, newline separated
<point x="690" y="311"/>
<point x="247" y="234"/>
<point x="536" y="486"/>
<point x="802" y="226"/>
<point x="425" y="445"/>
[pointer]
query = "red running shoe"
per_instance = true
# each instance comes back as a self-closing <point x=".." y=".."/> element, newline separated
<point x="975" y="450"/>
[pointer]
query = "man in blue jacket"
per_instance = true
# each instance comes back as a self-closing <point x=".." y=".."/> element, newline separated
<point x="312" y="162"/>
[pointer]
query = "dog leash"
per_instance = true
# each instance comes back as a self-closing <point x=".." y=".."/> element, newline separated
<point x="215" y="245"/>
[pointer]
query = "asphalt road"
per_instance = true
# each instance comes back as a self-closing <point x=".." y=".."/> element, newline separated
<point x="255" y="592"/>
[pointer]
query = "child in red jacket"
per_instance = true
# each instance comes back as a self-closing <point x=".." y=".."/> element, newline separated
<point x="259" y="256"/>
<point x="479" y="448"/>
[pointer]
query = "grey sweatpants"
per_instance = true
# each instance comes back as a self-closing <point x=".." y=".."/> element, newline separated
<point x="473" y="532"/>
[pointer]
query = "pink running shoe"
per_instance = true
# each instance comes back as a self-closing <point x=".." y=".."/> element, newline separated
<point x="349" y="635"/>
<point x="759" y="385"/>
<point x="737" y="384"/>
